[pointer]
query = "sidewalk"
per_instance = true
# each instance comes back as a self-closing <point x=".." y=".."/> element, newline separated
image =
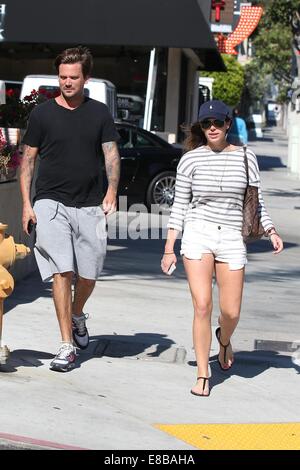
<point x="139" y="368"/>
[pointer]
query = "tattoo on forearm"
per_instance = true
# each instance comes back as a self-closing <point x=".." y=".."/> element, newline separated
<point x="27" y="169"/>
<point x="27" y="164"/>
<point x="112" y="163"/>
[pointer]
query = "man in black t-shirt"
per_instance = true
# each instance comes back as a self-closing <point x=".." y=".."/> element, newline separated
<point x="67" y="132"/>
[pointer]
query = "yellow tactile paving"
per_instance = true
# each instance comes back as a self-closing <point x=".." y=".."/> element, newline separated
<point x="271" y="436"/>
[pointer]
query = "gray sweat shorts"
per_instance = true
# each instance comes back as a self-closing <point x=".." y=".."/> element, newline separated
<point x="69" y="239"/>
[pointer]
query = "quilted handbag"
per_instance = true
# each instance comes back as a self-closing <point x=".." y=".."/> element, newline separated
<point x="252" y="228"/>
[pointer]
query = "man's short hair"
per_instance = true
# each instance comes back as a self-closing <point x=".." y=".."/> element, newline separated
<point x="75" y="55"/>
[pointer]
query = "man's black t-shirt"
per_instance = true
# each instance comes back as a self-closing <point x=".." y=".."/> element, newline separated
<point x="69" y="143"/>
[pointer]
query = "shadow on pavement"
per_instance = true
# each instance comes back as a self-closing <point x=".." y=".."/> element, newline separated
<point x="249" y="364"/>
<point x="268" y="162"/>
<point x="141" y="346"/>
<point x="282" y="193"/>
<point x="24" y="358"/>
<point x="27" y="291"/>
<point x="139" y="257"/>
<point x="253" y="138"/>
<point x="273" y="276"/>
<point x="262" y="246"/>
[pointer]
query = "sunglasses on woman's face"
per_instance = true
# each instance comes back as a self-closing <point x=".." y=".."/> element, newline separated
<point x="207" y="123"/>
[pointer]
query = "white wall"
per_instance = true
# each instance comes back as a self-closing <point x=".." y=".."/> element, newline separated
<point x="294" y="142"/>
<point x="173" y="85"/>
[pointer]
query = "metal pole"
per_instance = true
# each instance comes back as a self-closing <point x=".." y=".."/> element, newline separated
<point x="150" y="90"/>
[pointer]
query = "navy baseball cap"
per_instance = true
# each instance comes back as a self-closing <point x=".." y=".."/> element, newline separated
<point x="214" y="109"/>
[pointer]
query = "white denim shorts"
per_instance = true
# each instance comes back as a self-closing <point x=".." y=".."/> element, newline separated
<point x="224" y="243"/>
<point x="69" y="239"/>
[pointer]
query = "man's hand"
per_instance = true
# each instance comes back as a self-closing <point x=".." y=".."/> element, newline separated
<point x="28" y="214"/>
<point x="109" y="204"/>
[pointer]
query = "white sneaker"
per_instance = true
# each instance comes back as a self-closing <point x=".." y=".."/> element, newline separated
<point x="64" y="359"/>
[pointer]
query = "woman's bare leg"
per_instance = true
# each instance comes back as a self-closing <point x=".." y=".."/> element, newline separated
<point x="230" y="284"/>
<point x="199" y="275"/>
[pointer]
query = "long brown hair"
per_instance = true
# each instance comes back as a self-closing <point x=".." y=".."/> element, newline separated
<point x="195" y="137"/>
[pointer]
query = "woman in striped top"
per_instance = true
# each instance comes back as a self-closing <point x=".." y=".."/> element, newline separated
<point x="210" y="186"/>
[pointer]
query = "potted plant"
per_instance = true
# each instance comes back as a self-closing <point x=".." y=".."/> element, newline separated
<point x="14" y="115"/>
<point x="15" y="112"/>
<point x="10" y="158"/>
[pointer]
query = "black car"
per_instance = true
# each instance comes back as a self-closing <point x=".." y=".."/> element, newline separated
<point x="148" y="167"/>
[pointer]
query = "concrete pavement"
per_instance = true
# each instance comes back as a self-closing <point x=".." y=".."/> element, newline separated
<point x="138" y="370"/>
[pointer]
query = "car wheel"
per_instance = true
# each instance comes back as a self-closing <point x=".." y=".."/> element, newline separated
<point x="161" y="190"/>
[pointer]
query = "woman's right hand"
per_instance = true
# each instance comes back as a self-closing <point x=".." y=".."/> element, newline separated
<point x="276" y="242"/>
<point x="166" y="262"/>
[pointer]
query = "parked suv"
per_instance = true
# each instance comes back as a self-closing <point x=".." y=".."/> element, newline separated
<point x="96" y="88"/>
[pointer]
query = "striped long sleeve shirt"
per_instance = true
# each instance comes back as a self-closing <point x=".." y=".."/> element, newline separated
<point x="211" y="185"/>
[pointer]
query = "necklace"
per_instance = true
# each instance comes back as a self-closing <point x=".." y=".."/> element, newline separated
<point x="222" y="176"/>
